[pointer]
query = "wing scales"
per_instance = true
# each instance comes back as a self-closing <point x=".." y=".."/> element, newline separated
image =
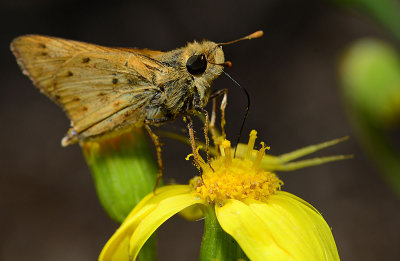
<point x="101" y="89"/>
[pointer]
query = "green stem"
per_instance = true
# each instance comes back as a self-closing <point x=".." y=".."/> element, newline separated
<point x="217" y="244"/>
<point x="149" y="249"/>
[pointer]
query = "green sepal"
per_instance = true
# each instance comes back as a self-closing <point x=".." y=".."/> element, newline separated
<point x="124" y="171"/>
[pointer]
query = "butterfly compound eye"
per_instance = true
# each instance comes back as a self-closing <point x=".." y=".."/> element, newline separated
<point x="196" y="64"/>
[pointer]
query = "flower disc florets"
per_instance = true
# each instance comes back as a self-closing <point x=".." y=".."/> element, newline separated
<point x="236" y="178"/>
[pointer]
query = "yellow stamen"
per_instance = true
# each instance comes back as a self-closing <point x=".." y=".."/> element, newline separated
<point x="250" y="145"/>
<point x="226" y="144"/>
<point x="236" y="178"/>
<point x="260" y="155"/>
<point x="200" y="160"/>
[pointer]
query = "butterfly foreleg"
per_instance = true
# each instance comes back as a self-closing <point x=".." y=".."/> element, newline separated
<point x="157" y="144"/>
<point x="206" y="128"/>
<point x="189" y="122"/>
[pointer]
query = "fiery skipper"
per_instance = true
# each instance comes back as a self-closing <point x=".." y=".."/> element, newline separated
<point x="106" y="91"/>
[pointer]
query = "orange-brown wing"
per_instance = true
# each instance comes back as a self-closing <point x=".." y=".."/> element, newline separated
<point x="101" y="89"/>
<point x="146" y="52"/>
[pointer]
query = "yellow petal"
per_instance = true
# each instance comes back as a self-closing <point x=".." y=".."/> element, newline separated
<point x="163" y="211"/>
<point x="285" y="227"/>
<point x="160" y="194"/>
<point x="296" y="227"/>
<point x="192" y="213"/>
<point x="253" y="236"/>
<point x="314" y="224"/>
<point x="118" y="245"/>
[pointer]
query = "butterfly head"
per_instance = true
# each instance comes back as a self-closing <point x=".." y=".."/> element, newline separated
<point x="204" y="60"/>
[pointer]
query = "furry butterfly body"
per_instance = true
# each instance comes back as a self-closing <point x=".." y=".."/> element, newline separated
<point x="106" y="91"/>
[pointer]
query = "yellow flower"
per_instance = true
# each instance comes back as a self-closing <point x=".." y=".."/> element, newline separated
<point x="267" y="223"/>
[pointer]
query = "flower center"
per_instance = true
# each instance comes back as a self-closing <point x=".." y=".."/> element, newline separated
<point x="236" y="178"/>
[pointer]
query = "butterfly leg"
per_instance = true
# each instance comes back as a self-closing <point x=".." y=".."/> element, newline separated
<point x="192" y="140"/>
<point x="157" y="144"/>
<point x="206" y="128"/>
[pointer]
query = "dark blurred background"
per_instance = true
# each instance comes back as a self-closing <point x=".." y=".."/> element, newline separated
<point x="48" y="204"/>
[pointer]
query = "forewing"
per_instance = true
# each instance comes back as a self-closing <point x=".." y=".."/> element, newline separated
<point x="41" y="56"/>
<point x="93" y="84"/>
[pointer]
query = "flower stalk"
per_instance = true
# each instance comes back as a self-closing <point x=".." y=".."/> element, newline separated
<point x="217" y="244"/>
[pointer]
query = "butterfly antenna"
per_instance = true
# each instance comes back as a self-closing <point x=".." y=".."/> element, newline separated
<point x="254" y="35"/>
<point x="246" y="113"/>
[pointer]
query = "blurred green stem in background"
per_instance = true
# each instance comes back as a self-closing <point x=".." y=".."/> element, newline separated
<point x="370" y="75"/>
<point x="124" y="171"/>
<point x="385" y="12"/>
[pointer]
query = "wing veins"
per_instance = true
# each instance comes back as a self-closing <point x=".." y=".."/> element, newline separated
<point x="105" y="118"/>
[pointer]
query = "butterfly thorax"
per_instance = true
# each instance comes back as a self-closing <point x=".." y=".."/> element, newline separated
<point x="181" y="92"/>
